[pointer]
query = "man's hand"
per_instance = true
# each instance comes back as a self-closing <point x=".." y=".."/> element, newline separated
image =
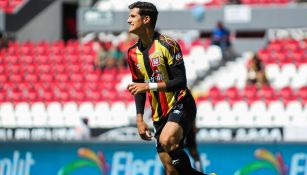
<point x="143" y="130"/>
<point x="137" y="88"/>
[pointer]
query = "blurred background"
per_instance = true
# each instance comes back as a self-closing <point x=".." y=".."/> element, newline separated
<point x="64" y="108"/>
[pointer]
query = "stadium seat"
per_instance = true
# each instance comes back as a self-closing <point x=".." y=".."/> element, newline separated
<point x="250" y="94"/>
<point x="214" y="54"/>
<point x="131" y="112"/>
<point x="240" y="74"/>
<point x="55" y="116"/>
<point x="205" y="115"/>
<point x="298" y="81"/>
<point x="277" y="113"/>
<point x="302" y="94"/>
<point x="225" y="115"/>
<point x="7" y="115"/>
<point x="302" y="70"/>
<point x="288" y="71"/>
<point x="103" y="114"/>
<point x="226" y="80"/>
<point x="294" y="110"/>
<point x="23" y="115"/>
<point x="232" y="93"/>
<point x="70" y="114"/>
<point x="259" y="112"/>
<point x="215" y="93"/>
<point x="274" y="47"/>
<point x="240" y="110"/>
<point x="86" y="110"/>
<point x="272" y="71"/>
<point x="280" y="82"/>
<point x="119" y="114"/>
<point x="39" y="114"/>
<point x="190" y="63"/>
<point x="287" y="94"/>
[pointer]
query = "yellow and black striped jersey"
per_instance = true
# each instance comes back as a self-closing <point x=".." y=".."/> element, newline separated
<point x="153" y="64"/>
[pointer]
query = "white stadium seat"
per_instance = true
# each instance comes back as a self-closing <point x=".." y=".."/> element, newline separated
<point x="280" y="81"/>
<point x="23" y="115"/>
<point x="7" y="115"/>
<point x="302" y="70"/>
<point x="70" y="114"/>
<point x="272" y="71"/>
<point x="87" y="110"/>
<point x="288" y="71"/>
<point x="39" y="114"/>
<point x="277" y="112"/>
<point x="298" y="81"/>
<point x="131" y="112"/>
<point x="103" y="114"/>
<point x="294" y="110"/>
<point x="205" y="115"/>
<point x="119" y="114"/>
<point x="214" y="54"/>
<point x="226" y="80"/>
<point x="55" y="114"/>
<point x="240" y="109"/>
<point x="259" y="112"/>
<point x="224" y="113"/>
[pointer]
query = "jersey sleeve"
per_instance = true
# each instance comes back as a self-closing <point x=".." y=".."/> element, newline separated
<point x="133" y="66"/>
<point x="174" y="55"/>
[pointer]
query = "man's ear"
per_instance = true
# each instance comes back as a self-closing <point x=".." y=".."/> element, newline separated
<point x="146" y="20"/>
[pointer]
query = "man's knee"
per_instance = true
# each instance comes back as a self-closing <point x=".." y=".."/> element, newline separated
<point x="169" y="143"/>
<point x="170" y="136"/>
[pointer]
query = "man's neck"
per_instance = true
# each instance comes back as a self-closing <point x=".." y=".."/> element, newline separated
<point x="147" y="37"/>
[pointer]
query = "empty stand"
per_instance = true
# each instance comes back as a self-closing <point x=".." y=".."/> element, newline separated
<point x="54" y="84"/>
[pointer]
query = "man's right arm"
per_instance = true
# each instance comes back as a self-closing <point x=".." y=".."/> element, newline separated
<point x="140" y="102"/>
<point x="143" y="129"/>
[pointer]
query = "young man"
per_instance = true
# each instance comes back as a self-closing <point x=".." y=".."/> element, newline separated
<point x="157" y="67"/>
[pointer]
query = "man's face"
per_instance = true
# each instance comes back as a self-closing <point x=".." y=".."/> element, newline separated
<point x="135" y="21"/>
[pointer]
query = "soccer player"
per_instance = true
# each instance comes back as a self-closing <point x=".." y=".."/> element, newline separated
<point x="157" y="68"/>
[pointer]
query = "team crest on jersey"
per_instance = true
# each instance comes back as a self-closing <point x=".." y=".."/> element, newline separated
<point x="155" y="61"/>
<point x="155" y="58"/>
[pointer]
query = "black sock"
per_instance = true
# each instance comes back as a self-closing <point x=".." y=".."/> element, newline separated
<point x="181" y="162"/>
<point x="198" y="173"/>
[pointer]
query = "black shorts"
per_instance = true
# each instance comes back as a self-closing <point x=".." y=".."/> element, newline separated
<point x="183" y="113"/>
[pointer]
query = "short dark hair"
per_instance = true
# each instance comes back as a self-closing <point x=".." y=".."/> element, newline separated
<point x="146" y="9"/>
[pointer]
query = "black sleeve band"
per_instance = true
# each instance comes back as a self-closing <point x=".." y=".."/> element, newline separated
<point x="140" y="103"/>
<point x="179" y="81"/>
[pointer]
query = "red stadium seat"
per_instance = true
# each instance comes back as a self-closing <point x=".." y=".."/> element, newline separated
<point x="233" y="95"/>
<point x="75" y="78"/>
<point x="15" y="78"/>
<point x="46" y="78"/>
<point x="3" y="78"/>
<point x="287" y="95"/>
<point x="274" y="47"/>
<point x="302" y="93"/>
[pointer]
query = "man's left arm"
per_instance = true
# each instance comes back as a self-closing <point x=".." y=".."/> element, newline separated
<point x="178" y="82"/>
